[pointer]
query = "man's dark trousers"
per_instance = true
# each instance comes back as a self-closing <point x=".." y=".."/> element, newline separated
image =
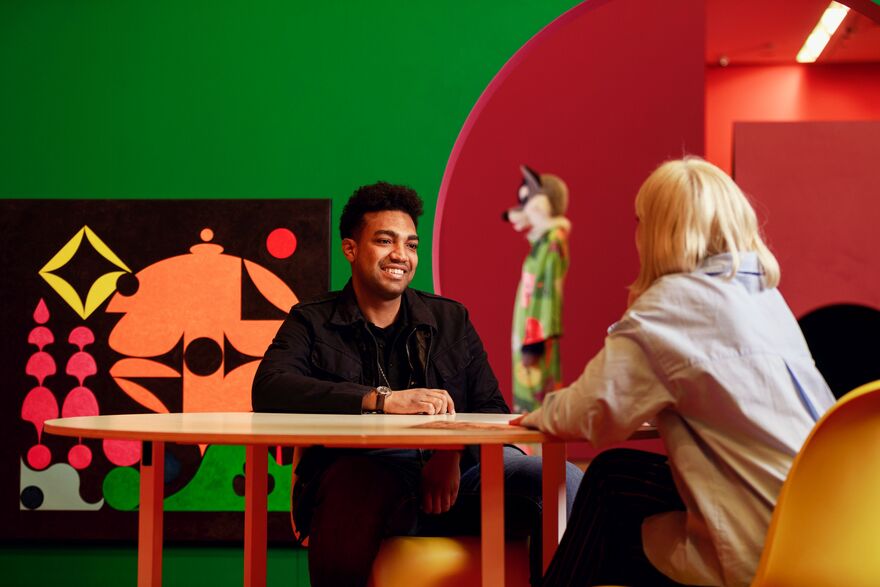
<point x="362" y="498"/>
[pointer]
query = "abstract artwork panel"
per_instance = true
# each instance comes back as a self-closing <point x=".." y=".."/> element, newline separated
<point x="139" y="306"/>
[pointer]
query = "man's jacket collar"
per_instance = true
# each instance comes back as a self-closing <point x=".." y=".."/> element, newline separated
<point x="347" y="313"/>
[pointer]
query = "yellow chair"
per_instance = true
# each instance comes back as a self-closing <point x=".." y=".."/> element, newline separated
<point x="825" y="529"/>
<point x="428" y="561"/>
<point x="418" y="561"/>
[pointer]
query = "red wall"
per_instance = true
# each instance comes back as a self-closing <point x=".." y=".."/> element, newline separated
<point x="600" y="97"/>
<point x="815" y="186"/>
<point x="785" y="93"/>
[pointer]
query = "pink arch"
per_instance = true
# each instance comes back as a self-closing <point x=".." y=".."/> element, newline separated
<point x="521" y="54"/>
<point x="870" y="8"/>
<point x="599" y="119"/>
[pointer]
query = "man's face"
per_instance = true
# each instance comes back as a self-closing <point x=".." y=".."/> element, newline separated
<point x="384" y="256"/>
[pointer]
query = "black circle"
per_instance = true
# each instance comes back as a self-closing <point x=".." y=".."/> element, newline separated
<point x="172" y="467"/>
<point x="238" y="483"/>
<point x="844" y="342"/>
<point x="203" y="356"/>
<point x="32" y="497"/>
<point x="127" y="284"/>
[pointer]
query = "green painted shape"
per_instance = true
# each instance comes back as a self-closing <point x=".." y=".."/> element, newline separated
<point x="121" y="488"/>
<point x="279" y="497"/>
<point x="211" y="489"/>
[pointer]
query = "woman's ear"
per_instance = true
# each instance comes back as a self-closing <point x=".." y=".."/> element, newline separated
<point x="349" y="249"/>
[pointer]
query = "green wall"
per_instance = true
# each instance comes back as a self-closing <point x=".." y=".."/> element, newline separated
<point x="226" y="99"/>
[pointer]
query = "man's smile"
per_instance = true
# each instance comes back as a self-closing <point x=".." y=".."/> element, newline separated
<point x="396" y="272"/>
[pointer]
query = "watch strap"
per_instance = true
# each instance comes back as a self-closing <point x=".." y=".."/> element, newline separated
<point x="381" y="393"/>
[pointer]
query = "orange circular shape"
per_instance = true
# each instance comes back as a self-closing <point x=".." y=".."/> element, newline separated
<point x="206" y="235"/>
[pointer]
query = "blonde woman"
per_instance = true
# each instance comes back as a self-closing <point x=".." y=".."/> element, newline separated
<point x="709" y="351"/>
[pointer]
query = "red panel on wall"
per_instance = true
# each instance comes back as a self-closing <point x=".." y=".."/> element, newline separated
<point x="785" y="93"/>
<point x="599" y="97"/>
<point x="815" y="187"/>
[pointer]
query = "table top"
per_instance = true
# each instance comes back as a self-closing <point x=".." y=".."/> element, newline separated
<point x="302" y="429"/>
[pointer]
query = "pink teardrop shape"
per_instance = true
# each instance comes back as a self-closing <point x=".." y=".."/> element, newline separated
<point x="81" y="365"/>
<point x="80" y="402"/>
<point x="81" y="336"/>
<point x="40" y="365"/>
<point x="41" y="313"/>
<point x="39" y="405"/>
<point x="41" y="336"/>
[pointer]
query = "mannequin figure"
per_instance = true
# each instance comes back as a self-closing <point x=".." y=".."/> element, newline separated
<point x="537" y="315"/>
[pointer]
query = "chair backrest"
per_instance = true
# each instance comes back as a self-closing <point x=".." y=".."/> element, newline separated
<point x="825" y="529"/>
<point x="436" y="561"/>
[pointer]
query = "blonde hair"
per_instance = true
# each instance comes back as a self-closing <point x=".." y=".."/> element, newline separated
<point x="688" y="210"/>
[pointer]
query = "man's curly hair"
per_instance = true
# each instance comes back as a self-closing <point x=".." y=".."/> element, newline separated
<point x="378" y="197"/>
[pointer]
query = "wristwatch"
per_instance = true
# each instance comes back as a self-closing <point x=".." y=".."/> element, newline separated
<point x="382" y="392"/>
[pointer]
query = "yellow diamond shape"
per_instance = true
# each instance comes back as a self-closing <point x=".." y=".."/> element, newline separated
<point x="101" y="288"/>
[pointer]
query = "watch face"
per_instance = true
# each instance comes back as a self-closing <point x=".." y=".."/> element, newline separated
<point x="382" y="390"/>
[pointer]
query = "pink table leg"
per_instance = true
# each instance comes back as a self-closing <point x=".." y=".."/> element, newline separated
<point x="255" y="492"/>
<point x="553" y="474"/>
<point x="150" y="514"/>
<point x="492" y="518"/>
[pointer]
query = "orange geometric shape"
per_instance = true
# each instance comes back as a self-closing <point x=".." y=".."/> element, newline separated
<point x="141" y="395"/>
<point x="132" y="367"/>
<point x="195" y="299"/>
<point x="269" y="284"/>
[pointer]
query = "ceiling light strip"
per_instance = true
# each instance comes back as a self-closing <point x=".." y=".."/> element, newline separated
<point x="825" y="29"/>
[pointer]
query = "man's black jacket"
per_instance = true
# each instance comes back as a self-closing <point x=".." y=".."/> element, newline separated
<point x="317" y="361"/>
<point x="324" y="360"/>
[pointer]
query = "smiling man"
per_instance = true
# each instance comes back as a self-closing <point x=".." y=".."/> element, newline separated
<point x="380" y="346"/>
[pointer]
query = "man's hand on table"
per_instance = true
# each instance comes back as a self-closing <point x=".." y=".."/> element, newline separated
<point x="440" y="480"/>
<point x="419" y="401"/>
